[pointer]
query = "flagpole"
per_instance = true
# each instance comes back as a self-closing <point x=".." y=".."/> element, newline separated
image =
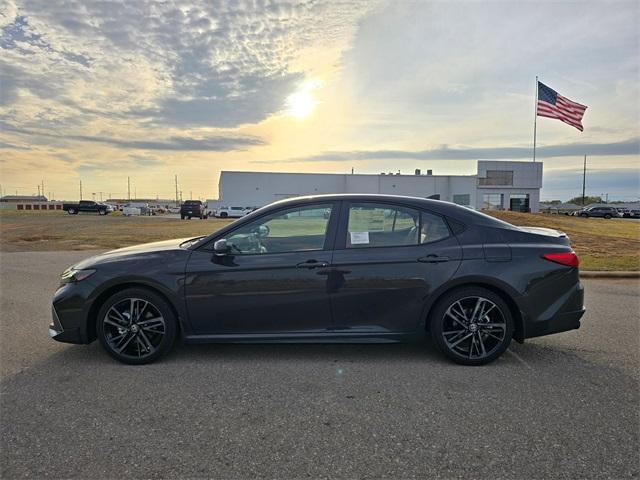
<point x="535" y="121"/>
<point x="584" y="177"/>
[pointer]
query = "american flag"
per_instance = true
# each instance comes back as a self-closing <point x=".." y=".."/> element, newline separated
<point x="553" y="105"/>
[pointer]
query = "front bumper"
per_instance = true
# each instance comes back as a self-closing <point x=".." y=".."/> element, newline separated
<point x="69" y="313"/>
<point x="60" y="334"/>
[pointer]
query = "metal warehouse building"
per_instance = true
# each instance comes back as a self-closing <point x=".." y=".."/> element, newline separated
<point x="498" y="185"/>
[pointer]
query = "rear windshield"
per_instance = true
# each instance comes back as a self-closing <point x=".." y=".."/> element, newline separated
<point x="192" y="202"/>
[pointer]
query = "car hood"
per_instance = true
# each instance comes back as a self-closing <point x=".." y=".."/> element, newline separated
<point x="142" y="250"/>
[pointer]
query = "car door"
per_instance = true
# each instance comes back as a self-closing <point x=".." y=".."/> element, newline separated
<point x="273" y="281"/>
<point x="86" y="206"/>
<point x="387" y="261"/>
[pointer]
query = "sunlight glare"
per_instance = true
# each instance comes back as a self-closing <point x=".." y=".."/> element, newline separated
<point x="302" y="103"/>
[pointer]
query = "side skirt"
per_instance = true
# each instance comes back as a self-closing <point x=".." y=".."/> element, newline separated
<point x="304" y="338"/>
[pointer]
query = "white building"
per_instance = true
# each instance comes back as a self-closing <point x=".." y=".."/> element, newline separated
<point x="502" y="185"/>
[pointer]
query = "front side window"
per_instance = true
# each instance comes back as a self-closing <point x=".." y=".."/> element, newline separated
<point x="295" y="230"/>
<point x="378" y="225"/>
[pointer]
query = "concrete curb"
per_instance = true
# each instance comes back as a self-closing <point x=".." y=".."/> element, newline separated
<point x="598" y="274"/>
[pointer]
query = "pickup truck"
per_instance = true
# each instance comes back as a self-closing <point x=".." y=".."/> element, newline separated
<point x="87" y="206"/>
<point x="234" y="212"/>
<point x="193" y="208"/>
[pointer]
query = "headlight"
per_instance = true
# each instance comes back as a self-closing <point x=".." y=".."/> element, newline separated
<point x="72" y="275"/>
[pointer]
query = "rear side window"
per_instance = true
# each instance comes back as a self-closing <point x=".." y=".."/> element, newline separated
<point x="380" y="225"/>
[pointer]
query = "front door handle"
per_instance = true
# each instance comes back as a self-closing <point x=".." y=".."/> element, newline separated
<point x="433" y="259"/>
<point x="312" y="264"/>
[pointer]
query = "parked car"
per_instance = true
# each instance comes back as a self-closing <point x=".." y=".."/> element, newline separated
<point x="136" y="208"/>
<point x="377" y="268"/>
<point x="624" y="212"/>
<point x="193" y="208"/>
<point x="234" y="212"/>
<point x="634" y="213"/>
<point x="602" y="212"/>
<point x="87" y="206"/>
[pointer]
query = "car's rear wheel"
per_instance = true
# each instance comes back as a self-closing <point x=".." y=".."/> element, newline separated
<point x="136" y="326"/>
<point x="102" y="212"/>
<point x="584" y="215"/>
<point x="224" y="215"/>
<point x="72" y="211"/>
<point x="607" y="216"/>
<point x="472" y="325"/>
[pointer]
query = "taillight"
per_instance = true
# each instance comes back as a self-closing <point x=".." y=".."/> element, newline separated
<point x="568" y="259"/>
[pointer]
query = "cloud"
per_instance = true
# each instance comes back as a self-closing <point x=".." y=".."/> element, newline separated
<point x="211" y="143"/>
<point x="177" y="64"/>
<point x="628" y="147"/>
<point x="146" y="161"/>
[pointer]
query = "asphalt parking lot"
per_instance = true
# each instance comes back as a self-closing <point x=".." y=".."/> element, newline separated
<point x="564" y="406"/>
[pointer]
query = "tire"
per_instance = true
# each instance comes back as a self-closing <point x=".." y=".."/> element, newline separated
<point x="189" y="217"/>
<point x="607" y="216"/>
<point x="224" y="215"/>
<point x="102" y="212"/>
<point x="72" y="211"/>
<point x="125" y="340"/>
<point x="181" y="217"/>
<point x="584" y="215"/>
<point x="489" y="341"/>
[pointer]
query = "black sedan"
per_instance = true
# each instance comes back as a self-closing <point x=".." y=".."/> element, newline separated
<point x="329" y="268"/>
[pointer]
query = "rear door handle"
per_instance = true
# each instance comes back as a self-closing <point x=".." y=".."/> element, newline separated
<point x="312" y="264"/>
<point x="433" y="259"/>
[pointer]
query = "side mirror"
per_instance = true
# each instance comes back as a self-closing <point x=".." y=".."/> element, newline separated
<point x="220" y="247"/>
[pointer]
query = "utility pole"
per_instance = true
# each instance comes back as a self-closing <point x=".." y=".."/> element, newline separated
<point x="38" y="190"/>
<point x="176" y="182"/>
<point x="584" y="177"/>
<point x="43" y="187"/>
<point x="128" y="188"/>
<point x="80" y="189"/>
<point x="190" y="194"/>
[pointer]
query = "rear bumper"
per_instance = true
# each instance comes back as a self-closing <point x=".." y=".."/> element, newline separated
<point x="560" y="323"/>
<point x="560" y="316"/>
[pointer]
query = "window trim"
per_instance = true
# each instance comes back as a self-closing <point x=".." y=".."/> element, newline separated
<point x="329" y="239"/>
<point x="343" y="227"/>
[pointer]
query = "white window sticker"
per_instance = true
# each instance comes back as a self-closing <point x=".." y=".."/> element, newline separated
<point x="359" y="238"/>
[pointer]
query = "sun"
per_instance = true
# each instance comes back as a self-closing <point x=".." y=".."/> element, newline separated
<point x="302" y="103"/>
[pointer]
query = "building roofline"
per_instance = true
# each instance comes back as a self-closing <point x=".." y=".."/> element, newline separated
<point x="345" y="174"/>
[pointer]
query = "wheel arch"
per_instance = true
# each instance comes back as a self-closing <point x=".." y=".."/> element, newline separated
<point x="501" y="290"/>
<point x="112" y="290"/>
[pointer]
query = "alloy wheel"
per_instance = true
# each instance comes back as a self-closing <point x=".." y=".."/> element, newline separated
<point x="474" y="327"/>
<point x="134" y="328"/>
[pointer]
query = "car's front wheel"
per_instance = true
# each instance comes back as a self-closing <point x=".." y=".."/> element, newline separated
<point x="472" y="325"/>
<point x="136" y="326"/>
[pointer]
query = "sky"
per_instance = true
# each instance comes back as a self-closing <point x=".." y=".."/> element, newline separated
<point x="98" y="91"/>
